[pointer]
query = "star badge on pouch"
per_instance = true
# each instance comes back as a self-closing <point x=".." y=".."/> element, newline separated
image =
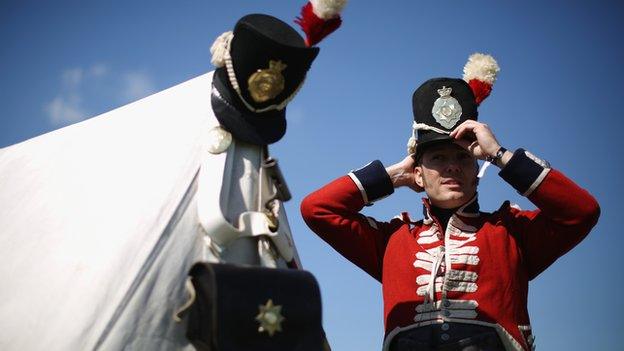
<point x="270" y="318"/>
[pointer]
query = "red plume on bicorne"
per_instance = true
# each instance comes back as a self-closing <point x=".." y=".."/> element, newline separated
<point x="319" y="18"/>
<point x="480" y="73"/>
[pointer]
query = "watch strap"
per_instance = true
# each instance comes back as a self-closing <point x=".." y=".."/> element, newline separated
<point x="497" y="156"/>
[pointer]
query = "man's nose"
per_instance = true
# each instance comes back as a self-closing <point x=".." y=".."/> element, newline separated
<point x="453" y="166"/>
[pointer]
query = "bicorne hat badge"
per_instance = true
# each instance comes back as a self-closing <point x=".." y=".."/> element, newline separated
<point x="446" y="109"/>
<point x="266" y="84"/>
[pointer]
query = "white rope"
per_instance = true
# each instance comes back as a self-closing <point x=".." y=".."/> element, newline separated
<point x="412" y="142"/>
<point x="220" y="47"/>
<point x="422" y="126"/>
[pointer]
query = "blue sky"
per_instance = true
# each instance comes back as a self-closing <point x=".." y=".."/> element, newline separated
<point x="558" y="95"/>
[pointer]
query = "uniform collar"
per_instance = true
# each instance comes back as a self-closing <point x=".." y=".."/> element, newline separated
<point x="469" y="209"/>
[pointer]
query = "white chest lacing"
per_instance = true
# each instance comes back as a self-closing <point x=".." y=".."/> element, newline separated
<point x="441" y="277"/>
<point x="435" y="267"/>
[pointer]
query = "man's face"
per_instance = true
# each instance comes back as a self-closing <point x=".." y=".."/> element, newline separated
<point x="448" y="173"/>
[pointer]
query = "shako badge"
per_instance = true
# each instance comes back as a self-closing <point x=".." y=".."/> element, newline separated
<point x="436" y="115"/>
<point x="446" y="109"/>
<point x="265" y="84"/>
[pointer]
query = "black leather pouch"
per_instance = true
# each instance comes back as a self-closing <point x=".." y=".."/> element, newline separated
<point x="240" y="308"/>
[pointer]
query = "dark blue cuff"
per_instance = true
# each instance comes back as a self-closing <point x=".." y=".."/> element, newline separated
<point x="373" y="181"/>
<point x="524" y="172"/>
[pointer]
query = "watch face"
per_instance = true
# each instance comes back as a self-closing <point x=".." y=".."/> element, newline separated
<point x="498" y="156"/>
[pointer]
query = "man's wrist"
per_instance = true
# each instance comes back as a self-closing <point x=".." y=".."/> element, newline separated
<point x="396" y="175"/>
<point x="500" y="157"/>
<point x="496" y="155"/>
<point x="502" y="162"/>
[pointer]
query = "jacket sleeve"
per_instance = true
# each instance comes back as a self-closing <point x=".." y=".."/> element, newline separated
<point x="332" y="212"/>
<point x="566" y="212"/>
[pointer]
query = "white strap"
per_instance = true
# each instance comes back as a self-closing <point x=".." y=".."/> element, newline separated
<point x="190" y="289"/>
<point x="484" y="166"/>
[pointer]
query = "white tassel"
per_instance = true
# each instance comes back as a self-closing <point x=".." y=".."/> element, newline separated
<point x="481" y="67"/>
<point x="327" y="9"/>
<point x="411" y="146"/>
<point x="411" y="143"/>
<point x="220" y="48"/>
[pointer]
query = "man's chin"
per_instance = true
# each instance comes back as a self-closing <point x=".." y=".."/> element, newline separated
<point x="455" y="195"/>
<point x="451" y="198"/>
<point x="454" y="199"/>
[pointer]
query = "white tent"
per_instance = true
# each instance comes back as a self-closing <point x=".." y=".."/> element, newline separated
<point x="100" y="222"/>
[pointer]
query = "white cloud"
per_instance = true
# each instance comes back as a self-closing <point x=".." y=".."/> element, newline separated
<point x="98" y="70"/>
<point x="65" y="110"/>
<point x="78" y="82"/>
<point x="137" y="85"/>
<point x="72" y="77"/>
<point x="70" y="105"/>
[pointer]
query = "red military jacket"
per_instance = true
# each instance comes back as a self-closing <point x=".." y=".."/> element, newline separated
<point x="478" y="270"/>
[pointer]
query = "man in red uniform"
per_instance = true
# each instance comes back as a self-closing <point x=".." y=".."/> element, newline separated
<point x="458" y="279"/>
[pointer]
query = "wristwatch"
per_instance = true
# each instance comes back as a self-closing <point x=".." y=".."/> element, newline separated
<point x="497" y="156"/>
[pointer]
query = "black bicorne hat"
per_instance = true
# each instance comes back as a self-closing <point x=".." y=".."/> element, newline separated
<point x="262" y="64"/>
<point x="265" y="64"/>
<point x="441" y="104"/>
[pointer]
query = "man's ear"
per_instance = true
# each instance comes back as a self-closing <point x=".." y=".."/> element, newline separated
<point x="418" y="179"/>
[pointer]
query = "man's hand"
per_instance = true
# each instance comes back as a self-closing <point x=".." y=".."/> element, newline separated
<point x="402" y="174"/>
<point x="478" y="139"/>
